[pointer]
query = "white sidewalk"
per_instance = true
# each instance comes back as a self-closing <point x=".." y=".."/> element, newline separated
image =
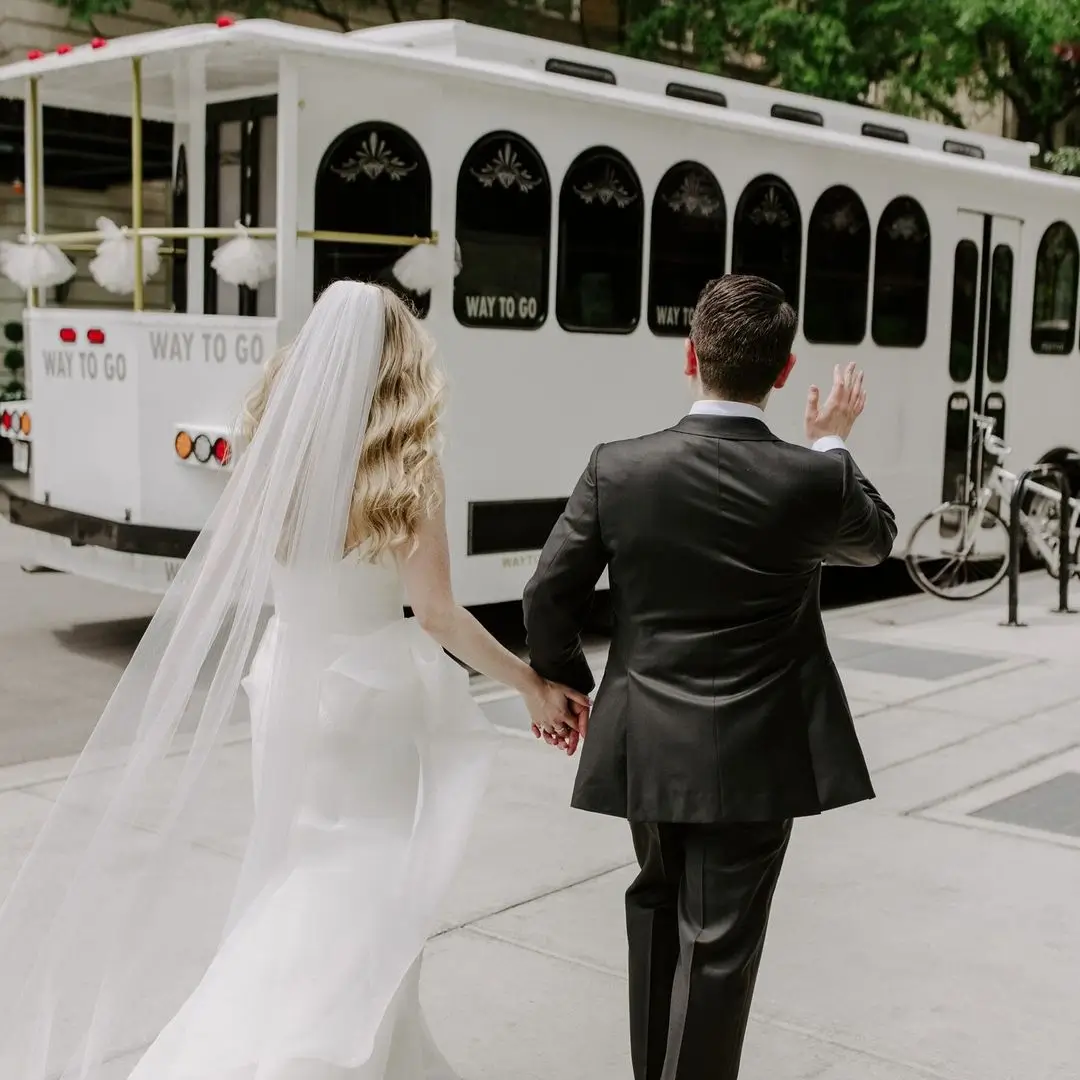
<point x="920" y="935"/>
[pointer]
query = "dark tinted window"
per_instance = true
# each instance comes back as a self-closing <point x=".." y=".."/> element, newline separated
<point x="837" y="269"/>
<point x="902" y="275"/>
<point x="504" y="234"/>
<point x="374" y="178"/>
<point x="1053" y="324"/>
<point x="601" y="226"/>
<point x="689" y="221"/>
<point x="965" y="298"/>
<point x="997" y="338"/>
<point x="767" y="238"/>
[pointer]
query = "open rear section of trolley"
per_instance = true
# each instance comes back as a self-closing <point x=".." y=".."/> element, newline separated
<point x="134" y="392"/>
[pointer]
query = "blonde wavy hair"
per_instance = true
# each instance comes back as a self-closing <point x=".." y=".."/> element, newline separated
<point x="397" y="482"/>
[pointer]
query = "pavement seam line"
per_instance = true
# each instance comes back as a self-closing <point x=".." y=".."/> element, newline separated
<point x="469" y="923"/>
<point x="769" y="1021"/>
<point x="986" y="781"/>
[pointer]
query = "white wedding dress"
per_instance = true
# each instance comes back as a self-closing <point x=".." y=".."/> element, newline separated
<point x="319" y="977"/>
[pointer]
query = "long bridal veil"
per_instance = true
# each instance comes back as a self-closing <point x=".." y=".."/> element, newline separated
<point x="146" y="857"/>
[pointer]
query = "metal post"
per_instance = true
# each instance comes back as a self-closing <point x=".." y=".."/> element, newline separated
<point x="1014" y="547"/>
<point x="1064" y="539"/>
<point x="32" y="158"/>
<point x="137" y="177"/>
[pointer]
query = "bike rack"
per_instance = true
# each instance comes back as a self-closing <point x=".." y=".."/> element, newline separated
<point x="1065" y="520"/>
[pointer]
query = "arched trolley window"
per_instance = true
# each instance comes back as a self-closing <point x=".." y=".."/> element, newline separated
<point x="503" y="233"/>
<point x="1053" y="323"/>
<point x="601" y="227"/>
<point x="689" y="222"/>
<point x="901" y="275"/>
<point x="837" y="269"/>
<point x="767" y="235"/>
<point x="374" y="178"/>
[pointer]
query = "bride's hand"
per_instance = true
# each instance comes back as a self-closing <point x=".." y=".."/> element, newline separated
<point x="559" y="714"/>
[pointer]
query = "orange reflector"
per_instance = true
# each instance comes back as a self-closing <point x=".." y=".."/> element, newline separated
<point x="184" y="445"/>
<point x="24" y="423"/>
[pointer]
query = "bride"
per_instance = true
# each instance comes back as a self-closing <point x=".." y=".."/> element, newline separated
<point x="167" y="927"/>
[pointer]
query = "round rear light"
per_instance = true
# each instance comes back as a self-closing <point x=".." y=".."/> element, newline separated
<point x="24" y="423"/>
<point x="183" y="445"/>
<point x="5" y="421"/>
<point x="222" y="452"/>
<point x="203" y="449"/>
<point x="16" y="421"/>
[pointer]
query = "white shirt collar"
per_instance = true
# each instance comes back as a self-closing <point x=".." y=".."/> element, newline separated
<point x="713" y="407"/>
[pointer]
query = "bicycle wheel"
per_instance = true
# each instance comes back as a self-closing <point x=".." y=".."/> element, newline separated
<point x="958" y="552"/>
<point x="1044" y="517"/>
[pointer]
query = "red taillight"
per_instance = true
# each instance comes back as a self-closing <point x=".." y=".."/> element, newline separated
<point x="68" y="336"/>
<point x="5" y="421"/>
<point x="222" y="451"/>
<point x="95" y="336"/>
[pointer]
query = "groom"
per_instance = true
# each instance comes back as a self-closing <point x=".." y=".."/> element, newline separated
<point x="721" y="715"/>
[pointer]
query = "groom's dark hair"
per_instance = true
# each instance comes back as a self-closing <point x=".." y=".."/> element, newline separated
<point x="742" y="330"/>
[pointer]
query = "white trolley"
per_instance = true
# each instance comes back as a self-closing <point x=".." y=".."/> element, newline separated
<point x="560" y="210"/>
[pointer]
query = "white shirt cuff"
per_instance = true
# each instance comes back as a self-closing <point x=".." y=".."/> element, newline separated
<point x="829" y="442"/>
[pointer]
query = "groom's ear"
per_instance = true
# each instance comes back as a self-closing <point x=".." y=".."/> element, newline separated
<point x="691" y="359"/>
<point x="783" y="376"/>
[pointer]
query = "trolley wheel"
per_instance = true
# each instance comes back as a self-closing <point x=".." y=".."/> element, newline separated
<point x="958" y="552"/>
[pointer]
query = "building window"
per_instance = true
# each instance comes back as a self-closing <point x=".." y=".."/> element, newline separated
<point x="767" y="235"/>
<point x="902" y="275"/>
<point x="997" y="337"/>
<point x="1053" y="324"/>
<point x="964" y="304"/>
<point x="837" y="269"/>
<point x="601" y="226"/>
<point x="689" y="222"/>
<point x="374" y="178"/>
<point x="503" y="233"/>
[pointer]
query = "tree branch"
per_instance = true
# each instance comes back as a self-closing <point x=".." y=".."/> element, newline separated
<point x="338" y="18"/>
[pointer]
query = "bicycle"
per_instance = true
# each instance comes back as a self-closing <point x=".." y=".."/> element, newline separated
<point x="960" y="550"/>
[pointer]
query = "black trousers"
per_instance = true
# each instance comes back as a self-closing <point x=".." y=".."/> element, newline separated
<point x="695" y="918"/>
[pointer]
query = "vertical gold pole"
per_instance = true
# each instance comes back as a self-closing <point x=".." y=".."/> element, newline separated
<point x="32" y="157"/>
<point x="137" y="176"/>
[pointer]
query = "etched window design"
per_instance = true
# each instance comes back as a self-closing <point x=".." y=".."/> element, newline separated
<point x="374" y="178"/>
<point x="901" y="275"/>
<point x="837" y="269"/>
<point x="601" y="231"/>
<point x="503" y="233"/>
<point x="767" y="235"/>
<point x="686" y="250"/>
<point x="1053" y="323"/>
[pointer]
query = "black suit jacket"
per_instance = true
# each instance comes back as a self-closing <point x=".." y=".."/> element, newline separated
<point x="720" y="701"/>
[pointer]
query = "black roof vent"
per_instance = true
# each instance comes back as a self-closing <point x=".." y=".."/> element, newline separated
<point x="580" y="71"/>
<point x="696" y="93"/>
<point x="951" y="146"/>
<point x="881" y="131"/>
<point x="798" y="116"/>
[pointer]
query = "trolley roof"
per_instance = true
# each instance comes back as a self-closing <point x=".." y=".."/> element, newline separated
<point x="244" y="56"/>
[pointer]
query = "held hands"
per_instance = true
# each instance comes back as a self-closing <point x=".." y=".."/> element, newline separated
<point x="559" y="714"/>
<point x="845" y="402"/>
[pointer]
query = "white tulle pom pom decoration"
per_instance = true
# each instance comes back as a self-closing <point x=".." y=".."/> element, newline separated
<point x="34" y="266"/>
<point x="245" y="260"/>
<point x="113" y="267"/>
<point x="417" y="269"/>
